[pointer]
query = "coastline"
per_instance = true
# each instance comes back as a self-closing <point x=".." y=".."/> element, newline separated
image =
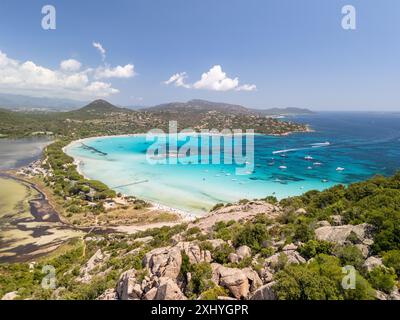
<point x="184" y="215"/>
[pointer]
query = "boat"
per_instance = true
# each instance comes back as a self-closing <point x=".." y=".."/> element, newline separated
<point x="324" y="180"/>
<point x="283" y="155"/>
<point x="282" y="167"/>
<point x="308" y="158"/>
<point x="339" y="169"/>
<point x="309" y="168"/>
<point x="271" y="163"/>
<point x="317" y="164"/>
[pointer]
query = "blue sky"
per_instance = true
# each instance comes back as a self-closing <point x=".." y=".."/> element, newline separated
<point x="284" y="53"/>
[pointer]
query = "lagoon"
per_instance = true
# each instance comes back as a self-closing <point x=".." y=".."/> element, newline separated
<point x="15" y="153"/>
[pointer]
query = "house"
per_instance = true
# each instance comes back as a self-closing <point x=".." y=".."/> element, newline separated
<point x="109" y="205"/>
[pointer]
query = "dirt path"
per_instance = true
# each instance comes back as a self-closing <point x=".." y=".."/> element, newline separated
<point x="137" y="228"/>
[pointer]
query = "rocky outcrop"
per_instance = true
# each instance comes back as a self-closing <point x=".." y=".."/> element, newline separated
<point x="323" y="223"/>
<point x="301" y="211"/>
<point x="394" y="295"/>
<point x="266" y="275"/>
<point x="292" y="256"/>
<point x="168" y="290"/>
<point x="144" y="239"/>
<point x="265" y="292"/>
<point x="340" y="234"/>
<point x="215" y="243"/>
<point x="254" y="280"/>
<point x="164" y="262"/>
<point x="372" y="263"/>
<point x="128" y="287"/>
<point x="10" y="296"/>
<point x="109" y="294"/>
<point x="337" y="220"/>
<point x="237" y="212"/>
<point x="195" y="254"/>
<point x="233" y="258"/>
<point x="239" y="282"/>
<point x="243" y="252"/>
<point x="235" y="281"/>
<point x="95" y="262"/>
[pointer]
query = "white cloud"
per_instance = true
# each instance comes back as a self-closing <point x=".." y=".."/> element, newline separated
<point x="70" y="65"/>
<point x="178" y="79"/>
<point x="214" y="79"/>
<point x="98" y="86"/>
<point x="102" y="51"/>
<point x="32" y="79"/>
<point x="127" y="71"/>
<point x="247" y="87"/>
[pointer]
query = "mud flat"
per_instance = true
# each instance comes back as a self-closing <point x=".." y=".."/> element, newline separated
<point x="29" y="226"/>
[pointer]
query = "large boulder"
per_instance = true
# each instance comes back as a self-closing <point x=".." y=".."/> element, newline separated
<point x="195" y="254"/>
<point x="372" y="263"/>
<point x="340" y="234"/>
<point x="239" y="282"/>
<point x="164" y="262"/>
<point x="235" y="280"/>
<point x="243" y="252"/>
<point x="253" y="278"/>
<point x="266" y="275"/>
<point x="301" y="211"/>
<point x="151" y="294"/>
<point x="10" y="295"/>
<point x="233" y="258"/>
<point x="290" y="247"/>
<point x="169" y="290"/>
<point x="292" y="257"/>
<point x="265" y="292"/>
<point x="128" y="287"/>
<point x="215" y="243"/>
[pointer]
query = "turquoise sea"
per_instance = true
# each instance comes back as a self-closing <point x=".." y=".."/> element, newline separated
<point x="345" y="148"/>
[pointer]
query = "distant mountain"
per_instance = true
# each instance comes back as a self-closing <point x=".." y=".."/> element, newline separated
<point x="101" y="106"/>
<point x="27" y="103"/>
<point x="103" y="118"/>
<point x="198" y="106"/>
<point x="283" y="111"/>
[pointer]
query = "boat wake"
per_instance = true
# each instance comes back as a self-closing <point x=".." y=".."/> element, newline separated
<point x="312" y="146"/>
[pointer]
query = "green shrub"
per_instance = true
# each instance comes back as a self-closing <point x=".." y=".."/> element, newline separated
<point x="391" y="259"/>
<point x="253" y="236"/>
<point x="350" y="255"/>
<point x="314" y="247"/>
<point x="217" y="206"/>
<point x="201" y="274"/>
<point x="221" y="253"/>
<point x="214" y="293"/>
<point x="297" y="282"/>
<point x="382" y="278"/>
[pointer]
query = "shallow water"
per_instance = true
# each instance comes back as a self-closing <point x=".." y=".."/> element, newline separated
<point x="15" y="153"/>
<point x="362" y="144"/>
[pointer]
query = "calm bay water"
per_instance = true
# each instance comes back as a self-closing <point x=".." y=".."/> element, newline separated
<point x="345" y="148"/>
